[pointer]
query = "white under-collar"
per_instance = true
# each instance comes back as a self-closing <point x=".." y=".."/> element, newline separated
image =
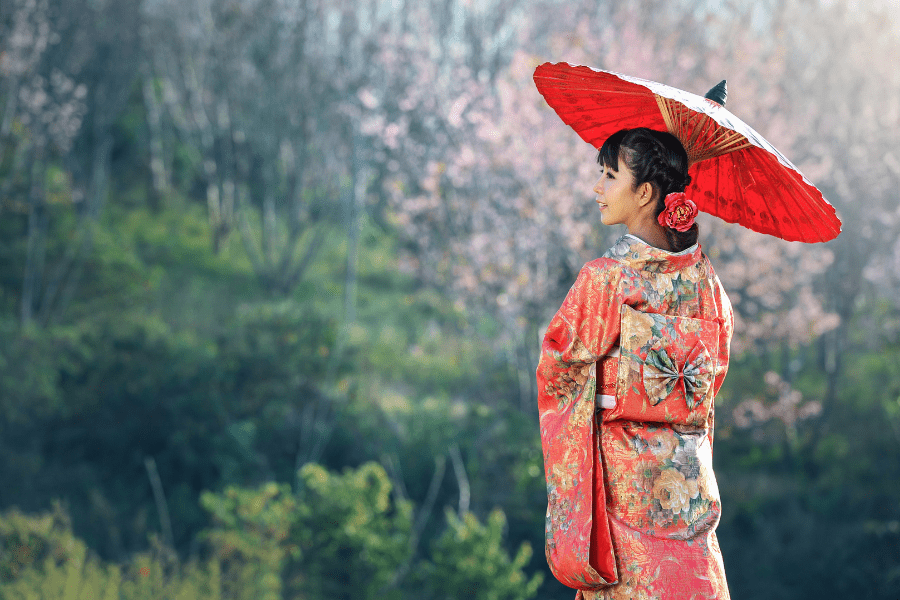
<point x="688" y="250"/>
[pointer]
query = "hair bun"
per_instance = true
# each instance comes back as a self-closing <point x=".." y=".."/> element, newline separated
<point x="677" y="181"/>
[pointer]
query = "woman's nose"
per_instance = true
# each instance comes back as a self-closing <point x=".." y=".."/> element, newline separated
<point x="597" y="188"/>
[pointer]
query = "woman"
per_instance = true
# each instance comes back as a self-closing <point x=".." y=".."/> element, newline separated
<point x="629" y="368"/>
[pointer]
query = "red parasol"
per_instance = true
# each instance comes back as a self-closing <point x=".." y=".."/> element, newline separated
<point x="736" y="174"/>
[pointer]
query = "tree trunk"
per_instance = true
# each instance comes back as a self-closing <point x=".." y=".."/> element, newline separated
<point x="159" y="173"/>
<point x="354" y="206"/>
<point x="36" y="245"/>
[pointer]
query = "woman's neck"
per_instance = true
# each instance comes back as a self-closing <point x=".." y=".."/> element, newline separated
<point x="655" y="236"/>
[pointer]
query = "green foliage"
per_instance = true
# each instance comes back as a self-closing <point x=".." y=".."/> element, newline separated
<point x="339" y="536"/>
<point x="469" y="561"/>
<point x="28" y="372"/>
<point x="78" y="578"/>
<point x="27" y="541"/>
<point x="342" y="536"/>
<point x="250" y="537"/>
<point x="366" y="538"/>
<point x="817" y="514"/>
<point x="172" y="352"/>
<point x="40" y="559"/>
<point x="152" y="577"/>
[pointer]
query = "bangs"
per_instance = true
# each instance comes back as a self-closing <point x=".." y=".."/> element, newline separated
<point x="608" y="156"/>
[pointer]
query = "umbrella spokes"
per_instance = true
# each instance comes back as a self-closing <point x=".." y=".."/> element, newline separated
<point x="700" y="135"/>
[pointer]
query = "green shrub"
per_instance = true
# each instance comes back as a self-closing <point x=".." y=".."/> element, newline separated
<point x="40" y="559"/>
<point x="469" y="561"/>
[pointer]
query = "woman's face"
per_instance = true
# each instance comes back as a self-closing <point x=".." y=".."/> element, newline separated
<point x="616" y="196"/>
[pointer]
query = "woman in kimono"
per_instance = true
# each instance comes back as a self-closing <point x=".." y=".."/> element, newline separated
<point x="629" y="368"/>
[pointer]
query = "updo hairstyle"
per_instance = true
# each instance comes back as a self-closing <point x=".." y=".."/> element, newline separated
<point x="656" y="157"/>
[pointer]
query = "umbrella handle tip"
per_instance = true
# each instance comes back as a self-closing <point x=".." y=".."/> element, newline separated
<point x="718" y="94"/>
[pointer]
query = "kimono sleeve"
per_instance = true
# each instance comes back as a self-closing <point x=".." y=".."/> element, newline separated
<point x="584" y="329"/>
<point x="726" y="331"/>
<point x="726" y="314"/>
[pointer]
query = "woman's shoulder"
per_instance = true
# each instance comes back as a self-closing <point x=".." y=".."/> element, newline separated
<point x="601" y="279"/>
<point x="604" y="263"/>
<point x="603" y="268"/>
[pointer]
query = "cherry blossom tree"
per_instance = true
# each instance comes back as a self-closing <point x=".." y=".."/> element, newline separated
<point x="847" y="114"/>
<point x="496" y="200"/>
<point x="785" y="404"/>
<point x="64" y="81"/>
<point x="257" y="87"/>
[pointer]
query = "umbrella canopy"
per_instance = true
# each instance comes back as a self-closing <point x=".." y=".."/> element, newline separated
<point x="736" y="174"/>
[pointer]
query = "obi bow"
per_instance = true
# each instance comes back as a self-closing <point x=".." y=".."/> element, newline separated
<point x="662" y="376"/>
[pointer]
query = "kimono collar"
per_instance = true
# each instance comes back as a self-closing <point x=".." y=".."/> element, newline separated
<point x="634" y="252"/>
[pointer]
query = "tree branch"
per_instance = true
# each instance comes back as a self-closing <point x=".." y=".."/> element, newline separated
<point x="420" y="522"/>
<point x="462" y="480"/>
<point x="161" y="506"/>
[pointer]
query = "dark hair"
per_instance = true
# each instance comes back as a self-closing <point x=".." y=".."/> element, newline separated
<point x="658" y="158"/>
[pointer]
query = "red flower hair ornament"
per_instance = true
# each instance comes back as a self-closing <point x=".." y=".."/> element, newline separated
<point x="679" y="212"/>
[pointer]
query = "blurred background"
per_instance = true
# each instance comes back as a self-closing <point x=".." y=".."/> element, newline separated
<point x="274" y="275"/>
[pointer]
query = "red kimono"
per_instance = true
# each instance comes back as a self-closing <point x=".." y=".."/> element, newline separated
<point x="632" y="500"/>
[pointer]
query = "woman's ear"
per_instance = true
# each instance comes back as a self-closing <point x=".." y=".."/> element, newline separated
<point x="645" y="194"/>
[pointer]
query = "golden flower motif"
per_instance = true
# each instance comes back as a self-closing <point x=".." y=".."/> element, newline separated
<point x="673" y="491"/>
<point x="639" y="326"/>
<point x="580" y="376"/>
<point x="580" y="353"/>
<point x="688" y="325"/>
<point x="564" y="476"/>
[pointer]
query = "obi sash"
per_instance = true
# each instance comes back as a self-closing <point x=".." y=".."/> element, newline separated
<point x="666" y="369"/>
<point x="663" y="376"/>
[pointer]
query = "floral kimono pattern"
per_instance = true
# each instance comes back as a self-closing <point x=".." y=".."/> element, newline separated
<point x="632" y="499"/>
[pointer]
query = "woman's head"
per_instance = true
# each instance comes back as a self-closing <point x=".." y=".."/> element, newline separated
<point x="656" y="158"/>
